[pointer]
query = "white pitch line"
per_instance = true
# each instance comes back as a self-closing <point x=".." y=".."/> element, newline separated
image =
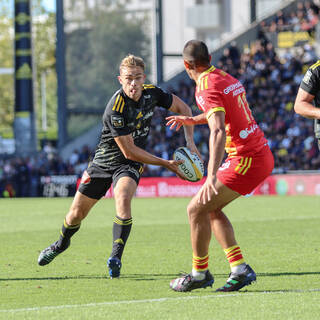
<point x="106" y="303"/>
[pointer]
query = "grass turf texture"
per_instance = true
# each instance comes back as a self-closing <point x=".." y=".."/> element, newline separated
<point x="279" y="237"/>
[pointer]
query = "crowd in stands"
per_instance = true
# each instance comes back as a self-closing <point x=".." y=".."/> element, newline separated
<point x="21" y="177"/>
<point x="272" y="81"/>
<point x="271" y="78"/>
<point x="304" y="18"/>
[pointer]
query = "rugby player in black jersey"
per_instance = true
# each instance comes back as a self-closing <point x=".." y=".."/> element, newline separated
<point x="119" y="158"/>
<point x="307" y="102"/>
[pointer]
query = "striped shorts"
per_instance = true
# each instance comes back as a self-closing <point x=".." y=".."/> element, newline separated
<point x="244" y="173"/>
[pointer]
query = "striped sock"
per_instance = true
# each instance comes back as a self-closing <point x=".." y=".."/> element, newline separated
<point x="235" y="258"/>
<point x="66" y="233"/>
<point x="199" y="265"/>
<point x="121" y="231"/>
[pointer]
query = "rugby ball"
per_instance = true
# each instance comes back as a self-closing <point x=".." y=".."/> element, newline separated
<point x="192" y="168"/>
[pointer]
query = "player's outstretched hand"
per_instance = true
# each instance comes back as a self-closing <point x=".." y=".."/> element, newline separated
<point x="179" y="121"/>
<point x="173" y="165"/>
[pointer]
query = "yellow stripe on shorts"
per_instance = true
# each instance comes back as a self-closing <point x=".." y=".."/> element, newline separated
<point x="244" y="165"/>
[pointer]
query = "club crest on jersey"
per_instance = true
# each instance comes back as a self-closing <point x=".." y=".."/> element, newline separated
<point x="117" y="121"/>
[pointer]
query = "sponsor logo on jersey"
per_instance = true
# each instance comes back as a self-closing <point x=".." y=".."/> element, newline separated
<point x="307" y="77"/>
<point x="232" y="87"/>
<point x="148" y="115"/>
<point x="238" y="91"/>
<point x="141" y="133"/>
<point x="117" y="121"/>
<point x="243" y="134"/>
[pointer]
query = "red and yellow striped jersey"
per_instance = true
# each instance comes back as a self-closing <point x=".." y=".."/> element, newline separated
<point x="218" y="91"/>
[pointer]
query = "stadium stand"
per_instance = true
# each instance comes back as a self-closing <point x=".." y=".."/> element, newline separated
<point x="271" y="77"/>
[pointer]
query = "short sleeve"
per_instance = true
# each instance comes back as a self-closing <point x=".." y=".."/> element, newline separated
<point x="310" y="82"/>
<point x="213" y="101"/>
<point x="115" y="117"/>
<point x="164" y="99"/>
<point x="117" y="125"/>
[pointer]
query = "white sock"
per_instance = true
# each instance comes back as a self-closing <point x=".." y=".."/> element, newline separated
<point x="198" y="275"/>
<point x="241" y="268"/>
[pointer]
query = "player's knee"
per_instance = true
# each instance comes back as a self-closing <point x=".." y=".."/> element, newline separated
<point x="123" y="199"/>
<point x="76" y="214"/>
<point x="216" y="213"/>
<point x="192" y="211"/>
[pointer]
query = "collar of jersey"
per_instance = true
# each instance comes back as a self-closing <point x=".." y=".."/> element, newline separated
<point x="212" y="68"/>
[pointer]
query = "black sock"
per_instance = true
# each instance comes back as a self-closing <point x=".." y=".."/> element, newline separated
<point x="121" y="231"/>
<point x="65" y="234"/>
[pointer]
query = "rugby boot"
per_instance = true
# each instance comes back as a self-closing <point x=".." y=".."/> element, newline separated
<point x="48" y="254"/>
<point x="237" y="281"/>
<point x="189" y="283"/>
<point x="114" y="266"/>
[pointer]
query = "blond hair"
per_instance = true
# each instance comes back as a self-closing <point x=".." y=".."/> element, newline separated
<point x="132" y="61"/>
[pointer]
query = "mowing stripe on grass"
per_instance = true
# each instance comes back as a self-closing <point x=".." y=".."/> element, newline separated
<point x="99" y="304"/>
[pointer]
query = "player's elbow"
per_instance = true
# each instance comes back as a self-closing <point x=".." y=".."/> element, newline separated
<point x="297" y="108"/>
<point x="188" y="112"/>
<point x="218" y="131"/>
<point x="301" y="110"/>
<point x="180" y="107"/>
<point x="185" y="110"/>
<point x="218" y="134"/>
<point x="129" y="155"/>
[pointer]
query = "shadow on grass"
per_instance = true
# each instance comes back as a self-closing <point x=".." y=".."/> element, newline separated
<point x="136" y="277"/>
<point x="283" y="274"/>
<point x="154" y="276"/>
<point x="279" y="291"/>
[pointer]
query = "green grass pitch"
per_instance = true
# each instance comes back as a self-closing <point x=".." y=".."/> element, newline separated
<point x="279" y="237"/>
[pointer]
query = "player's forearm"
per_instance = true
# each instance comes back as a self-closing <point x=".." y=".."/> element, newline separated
<point x="200" y="119"/>
<point x="180" y="107"/>
<point x="307" y="110"/>
<point x="183" y="109"/>
<point x="137" y="154"/>
<point x="188" y="133"/>
<point x="217" y="142"/>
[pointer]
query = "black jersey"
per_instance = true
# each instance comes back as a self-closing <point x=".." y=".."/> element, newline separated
<point x="124" y="116"/>
<point x="311" y="82"/>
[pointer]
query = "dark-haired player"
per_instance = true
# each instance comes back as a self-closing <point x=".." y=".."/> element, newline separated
<point x="119" y="158"/>
<point x="233" y="129"/>
<point x="308" y="93"/>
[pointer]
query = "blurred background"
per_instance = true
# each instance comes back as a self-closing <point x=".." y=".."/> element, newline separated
<point x="59" y="61"/>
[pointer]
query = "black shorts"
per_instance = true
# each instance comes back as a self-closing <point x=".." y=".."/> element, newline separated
<point x="95" y="181"/>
